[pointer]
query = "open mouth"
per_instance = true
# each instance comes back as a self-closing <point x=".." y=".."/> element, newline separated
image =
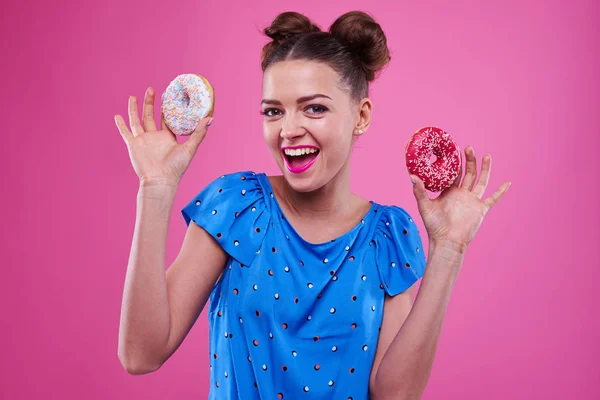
<point x="299" y="159"/>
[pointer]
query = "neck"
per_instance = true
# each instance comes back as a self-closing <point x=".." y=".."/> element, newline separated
<point x="333" y="199"/>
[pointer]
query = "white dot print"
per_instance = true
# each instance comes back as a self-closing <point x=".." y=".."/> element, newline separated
<point x="287" y="291"/>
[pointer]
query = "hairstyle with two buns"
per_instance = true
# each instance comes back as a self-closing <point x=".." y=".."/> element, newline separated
<point x="355" y="47"/>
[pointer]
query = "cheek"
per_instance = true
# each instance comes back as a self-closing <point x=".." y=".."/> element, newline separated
<point x="269" y="134"/>
<point x="271" y="138"/>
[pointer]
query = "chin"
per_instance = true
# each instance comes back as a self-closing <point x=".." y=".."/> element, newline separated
<point x="301" y="184"/>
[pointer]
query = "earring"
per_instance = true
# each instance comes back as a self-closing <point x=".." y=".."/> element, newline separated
<point x="360" y="132"/>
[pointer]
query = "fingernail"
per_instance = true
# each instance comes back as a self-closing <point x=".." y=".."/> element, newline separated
<point x="412" y="179"/>
<point x="150" y="91"/>
<point x="209" y="122"/>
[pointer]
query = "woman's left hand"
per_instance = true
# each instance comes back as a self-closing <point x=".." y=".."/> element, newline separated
<point x="453" y="218"/>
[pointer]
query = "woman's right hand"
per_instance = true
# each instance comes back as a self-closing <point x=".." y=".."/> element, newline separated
<point x="156" y="156"/>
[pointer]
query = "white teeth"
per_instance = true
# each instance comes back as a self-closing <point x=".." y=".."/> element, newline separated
<point x="299" y="152"/>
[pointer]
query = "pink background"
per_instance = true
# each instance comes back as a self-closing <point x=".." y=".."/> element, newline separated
<point x="517" y="79"/>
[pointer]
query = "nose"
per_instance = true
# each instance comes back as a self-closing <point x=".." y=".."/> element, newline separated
<point x="291" y="129"/>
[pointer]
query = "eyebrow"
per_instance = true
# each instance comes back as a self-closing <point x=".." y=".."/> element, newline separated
<point x="298" y="101"/>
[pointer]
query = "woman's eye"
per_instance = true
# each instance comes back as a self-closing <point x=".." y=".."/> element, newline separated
<point x="317" y="109"/>
<point x="270" y="112"/>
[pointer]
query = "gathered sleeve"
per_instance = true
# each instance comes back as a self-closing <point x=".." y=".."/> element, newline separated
<point x="232" y="210"/>
<point x="399" y="251"/>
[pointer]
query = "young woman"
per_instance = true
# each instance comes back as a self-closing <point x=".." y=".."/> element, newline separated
<point x="311" y="287"/>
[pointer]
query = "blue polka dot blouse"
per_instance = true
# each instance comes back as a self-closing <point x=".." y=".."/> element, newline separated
<point x="290" y="319"/>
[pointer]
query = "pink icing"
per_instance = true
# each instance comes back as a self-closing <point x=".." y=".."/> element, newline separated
<point x="440" y="174"/>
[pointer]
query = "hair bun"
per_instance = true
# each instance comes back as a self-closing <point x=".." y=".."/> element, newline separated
<point x="359" y="32"/>
<point x="288" y="24"/>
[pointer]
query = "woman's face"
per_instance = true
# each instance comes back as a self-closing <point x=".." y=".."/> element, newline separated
<point x="309" y="122"/>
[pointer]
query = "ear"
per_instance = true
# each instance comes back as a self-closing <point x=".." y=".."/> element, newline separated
<point x="365" y="109"/>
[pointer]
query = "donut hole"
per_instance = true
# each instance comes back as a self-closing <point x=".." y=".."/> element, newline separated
<point x="433" y="158"/>
<point x="186" y="99"/>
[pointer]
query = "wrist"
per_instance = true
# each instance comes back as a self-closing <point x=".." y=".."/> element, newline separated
<point x="448" y="246"/>
<point x="159" y="182"/>
<point x="157" y="190"/>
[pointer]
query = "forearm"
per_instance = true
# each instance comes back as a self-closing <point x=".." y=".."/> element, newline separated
<point x="145" y="315"/>
<point x="406" y="366"/>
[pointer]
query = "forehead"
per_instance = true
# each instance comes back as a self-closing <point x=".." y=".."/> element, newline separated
<point x="288" y="80"/>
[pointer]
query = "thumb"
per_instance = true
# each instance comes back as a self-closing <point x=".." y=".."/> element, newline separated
<point x="419" y="189"/>
<point x="199" y="133"/>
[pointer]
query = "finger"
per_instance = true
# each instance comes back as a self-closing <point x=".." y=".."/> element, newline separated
<point x="148" y="111"/>
<point x="419" y="189"/>
<point x="122" y="126"/>
<point x="165" y="127"/>
<point x="134" y="119"/>
<point x="471" y="169"/>
<point x="198" y="135"/>
<point x="484" y="176"/>
<point x="456" y="182"/>
<point x="495" y="198"/>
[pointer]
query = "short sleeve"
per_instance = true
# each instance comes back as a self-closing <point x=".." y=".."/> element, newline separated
<point x="232" y="210"/>
<point x="399" y="251"/>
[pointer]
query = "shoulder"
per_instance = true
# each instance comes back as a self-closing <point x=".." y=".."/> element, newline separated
<point x="248" y="180"/>
<point x="399" y="253"/>
<point x="232" y="209"/>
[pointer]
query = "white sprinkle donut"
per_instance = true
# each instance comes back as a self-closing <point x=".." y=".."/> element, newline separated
<point x="440" y="174"/>
<point x="187" y="100"/>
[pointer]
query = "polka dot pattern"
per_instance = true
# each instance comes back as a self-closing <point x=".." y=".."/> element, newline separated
<point x="292" y="319"/>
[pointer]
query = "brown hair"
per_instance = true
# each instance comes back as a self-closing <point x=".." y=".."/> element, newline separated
<point x="355" y="47"/>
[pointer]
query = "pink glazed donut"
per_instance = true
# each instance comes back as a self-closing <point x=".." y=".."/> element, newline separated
<point x="187" y="100"/>
<point x="440" y="174"/>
